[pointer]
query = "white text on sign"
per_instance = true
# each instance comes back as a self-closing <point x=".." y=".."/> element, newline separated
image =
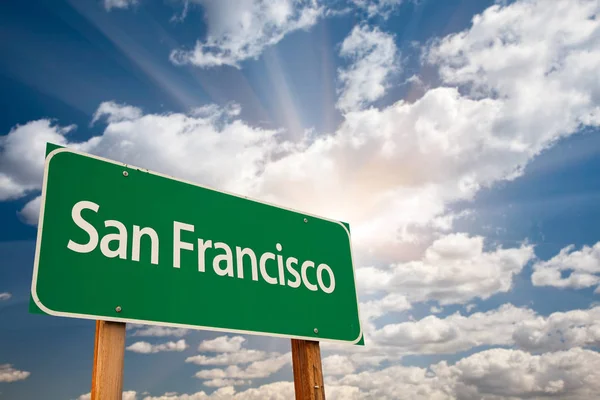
<point x="222" y="254"/>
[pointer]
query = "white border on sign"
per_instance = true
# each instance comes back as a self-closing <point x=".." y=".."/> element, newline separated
<point x="168" y="324"/>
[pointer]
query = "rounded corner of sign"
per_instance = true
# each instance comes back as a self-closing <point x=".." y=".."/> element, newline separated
<point x="40" y="305"/>
<point x="55" y="152"/>
<point x="345" y="229"/>
<point x="360" y="336"/>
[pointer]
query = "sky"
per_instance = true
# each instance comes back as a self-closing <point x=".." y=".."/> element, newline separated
<point x="458" y="138"/>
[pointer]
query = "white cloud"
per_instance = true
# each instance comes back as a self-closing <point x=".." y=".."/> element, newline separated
<point x="5" y="296"/>
<point x="148" y="348"/>
<point x="583" y="267"/>
<point x="116" y="112"/>
<point x="392" y="302"/>
<point x="242" y="356"/>
<point x="454" y="269"/>
<point x="560" y="330"/>
<point x="528" y="53"/>
<point x="373" y="61"/>
<point x="378" y="7"/>
<point x="241" y="30"/>
<point x="433" y="335"/>
<point x="160" y="331"/>
<point x="435" y="310"/>
<point x="22" y="156"/>
<point x="30" y="214"/>
<point x="257" y="369"/>
<point x="169" y="143"/>
<point x="506" y="326"/>
<point x="214" y="111"/>
<point x="222" y="344"/>
<point x="492" y="374"/>
<point x="373" y="309"/>
<point x="507" y="373"/>
<point x="337" y="365"/>
<point x="271" y="391"/>
<point x="225" y="382"/>
<point x="9" y="374"/>
<point x="122" y="4"/>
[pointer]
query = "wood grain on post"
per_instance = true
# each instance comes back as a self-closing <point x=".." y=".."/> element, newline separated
<point x="308" y="371"/>
<point x="109" y="352"/>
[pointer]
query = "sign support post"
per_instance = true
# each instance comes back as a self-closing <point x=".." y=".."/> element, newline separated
<point x="109" y="352"/>
<point x="308" y="371"/>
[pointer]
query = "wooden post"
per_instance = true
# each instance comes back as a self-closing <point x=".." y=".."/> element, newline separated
<point x="109" y="352"/>
<point x="308" y="371"/>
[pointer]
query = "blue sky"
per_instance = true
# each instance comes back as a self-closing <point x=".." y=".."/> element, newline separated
<point x="458" y="138"/>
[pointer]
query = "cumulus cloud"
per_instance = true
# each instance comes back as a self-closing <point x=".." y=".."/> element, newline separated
<point x="271" y="391"/>
<point x="160" y="331"/>
<point x="222" y="344"/>
<point x="583" y="267"/>
<point x="381" y="8"/>
<point x="433" y="335"/>
<point x="242" y="356"/>
<point x="560" y="330"/>
<point x="513" y="53"/>
<point x="373" y="309"/>
<point x="148" y="348"/>
<point x="514" y="373"/>
<point x="5" y="296"/>
<point x="257" y="369"/>
<point x="169" y="143"/>
<point x="22" y="156"/>
<point x="122" y="4"/>
<point x="30" y="214"/>
<point x="454" y="269"/>
<point x="225" y="382"/>
<point x="373" y="56"/>
<point x="491" y="374"/>
<point x="338" y="365"/>
<point x="261" y="364"/>
<point x="241" y="30"/>
<point x="9" y="374"/>
<point x="507" y="325"/>
<point x="116" y="112"/>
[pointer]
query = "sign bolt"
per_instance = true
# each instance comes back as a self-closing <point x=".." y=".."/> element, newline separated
<point x="118" y="309"/>
<point x="305" y="220"/>
<point x="316" y="330"/>
<point x="125" y="173"/>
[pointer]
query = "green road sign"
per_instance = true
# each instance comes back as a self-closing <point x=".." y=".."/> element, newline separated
<point x="120" y="243"/>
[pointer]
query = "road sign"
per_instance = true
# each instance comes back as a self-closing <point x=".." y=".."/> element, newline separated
<point x="120" y="243"/>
